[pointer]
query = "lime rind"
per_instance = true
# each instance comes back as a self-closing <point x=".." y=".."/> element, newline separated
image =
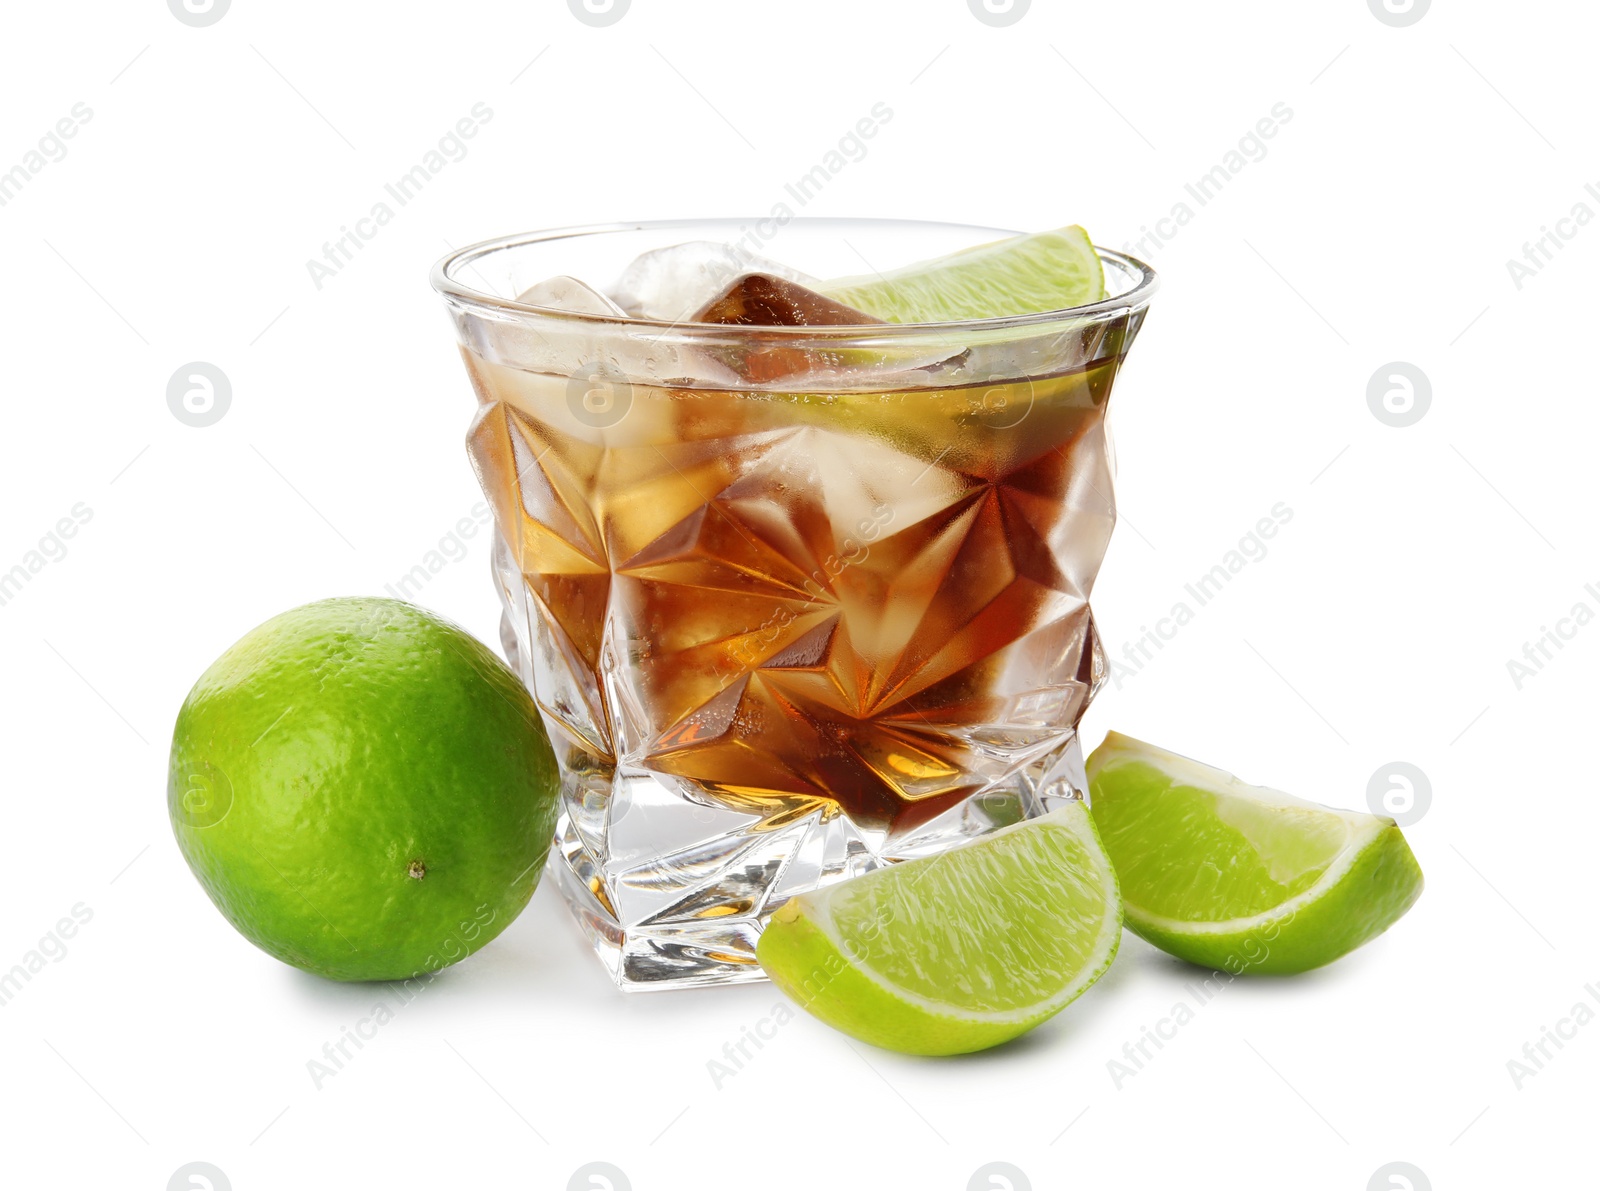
<point x="376" y="790"/>
<point x="1372" y="891"/>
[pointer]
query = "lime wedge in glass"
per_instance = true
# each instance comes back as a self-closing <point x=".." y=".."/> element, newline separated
<point x="955" y="952"/>
<point x="1243" y="878"/>
<point x="1021" y="275"/>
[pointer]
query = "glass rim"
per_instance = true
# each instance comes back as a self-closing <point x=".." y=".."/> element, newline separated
<point x="445" y="280"/>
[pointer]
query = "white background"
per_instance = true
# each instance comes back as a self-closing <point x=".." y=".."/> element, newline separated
<point x="1419" y="560"/>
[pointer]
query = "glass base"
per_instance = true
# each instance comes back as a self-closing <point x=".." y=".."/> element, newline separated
<point x="672" y="882"/>
<point x="672" y="888"/>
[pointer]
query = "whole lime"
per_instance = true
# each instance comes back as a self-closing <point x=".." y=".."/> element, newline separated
<point x="363" y="789"/>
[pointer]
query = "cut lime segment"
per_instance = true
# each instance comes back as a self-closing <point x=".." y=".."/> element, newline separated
<point x="955" y="952"/>
<point x="1022" y="275"/>
<point x="1241" y="877"/>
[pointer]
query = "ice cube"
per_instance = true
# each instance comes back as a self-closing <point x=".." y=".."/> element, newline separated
<point x="672" y="283"/>
<point x="568" y="293"/>
<point x="574" y="347"/>
<point x="763" y="300"/>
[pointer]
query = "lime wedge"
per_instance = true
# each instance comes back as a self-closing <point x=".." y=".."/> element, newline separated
<point x="955" y="952"/>
<point x="1021" y="275"/>
<point x="1240" y="877"/>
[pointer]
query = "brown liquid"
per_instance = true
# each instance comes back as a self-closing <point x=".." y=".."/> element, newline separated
<point x="875" y="601"/>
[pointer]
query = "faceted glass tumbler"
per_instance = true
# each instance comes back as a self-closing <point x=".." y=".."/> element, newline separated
<point x="796" y="602"/>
